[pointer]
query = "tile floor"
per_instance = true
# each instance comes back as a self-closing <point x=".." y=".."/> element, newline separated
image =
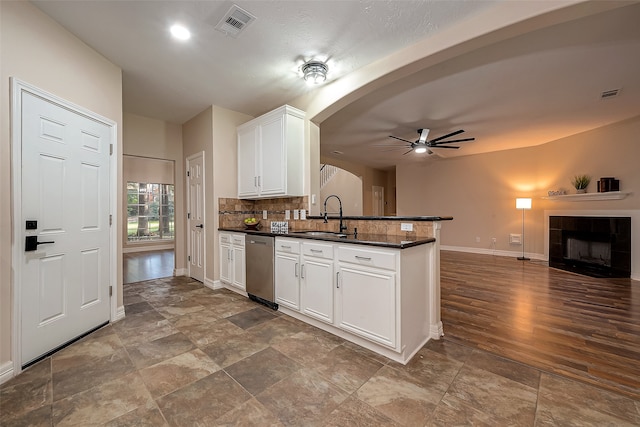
<point x="189" y="356"/>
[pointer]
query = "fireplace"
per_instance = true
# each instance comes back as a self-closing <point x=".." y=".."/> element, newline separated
<point x="595" y="246"/>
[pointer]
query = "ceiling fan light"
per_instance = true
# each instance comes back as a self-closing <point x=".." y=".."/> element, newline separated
<point x="314" y="72"/>
<point x="420" y="150"/>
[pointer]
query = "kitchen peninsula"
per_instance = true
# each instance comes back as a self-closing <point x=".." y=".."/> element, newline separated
<point x="378" y="288"/>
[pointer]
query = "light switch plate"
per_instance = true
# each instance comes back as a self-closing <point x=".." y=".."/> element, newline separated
<point x="264" y="214"/>
<point x="303" y="214"/>
<point x="296" y="214"/>
<point x="287" y="214"/>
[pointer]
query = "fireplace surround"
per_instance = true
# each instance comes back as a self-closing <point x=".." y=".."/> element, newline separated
<point x="594" y="246"/>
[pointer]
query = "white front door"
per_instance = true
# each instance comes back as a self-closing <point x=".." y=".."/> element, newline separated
<point x="195" y="215"/>
<point x="65" y="236"/>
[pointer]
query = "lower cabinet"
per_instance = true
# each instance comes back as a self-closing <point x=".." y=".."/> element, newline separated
<point x="287" y="273"/>
<point x="232" y="260"/>
<point x="317" y="281"/>
<point x="367" y="303"/>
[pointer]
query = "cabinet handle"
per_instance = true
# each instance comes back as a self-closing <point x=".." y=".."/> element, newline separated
<point x="285" y="246"/>
<point x="259" y="181"/>
<point x="338" y="280"/>
<point x="302" y="271"/>
<point x="295" y="270"/>
<point x="316" y="250"/>
<point x="363" y="258"/>
<point x="231" y="253"/>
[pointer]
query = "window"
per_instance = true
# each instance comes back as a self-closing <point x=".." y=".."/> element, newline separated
<point x="150" y="213"/>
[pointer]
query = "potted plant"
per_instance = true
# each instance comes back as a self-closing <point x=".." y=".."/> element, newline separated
<point x="581" y="182"/>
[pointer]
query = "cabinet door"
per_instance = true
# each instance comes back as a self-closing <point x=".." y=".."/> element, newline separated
<point x="225" y="263"/>
<point x="237" y="258"/>
<point x="248" y="153"/>
<point x="317" y="289"/>
<point x="287" y="286"/>
<point x="273" y="167"/>
<point x="367" y="304"/>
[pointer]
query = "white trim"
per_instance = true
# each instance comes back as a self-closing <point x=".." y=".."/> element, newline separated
<point x="483" y="251"/>
<point x="213" y="284"/>
<point x="180" y="271"/>
<point x="120" y="313"/>
<point x="17" y="87"/>
<point x="635" y="230"/>
<point x="204" y="212"/>
<point x="6" y="372"/>
<point x="146" y="248"/>
<point x="609" y="195"/>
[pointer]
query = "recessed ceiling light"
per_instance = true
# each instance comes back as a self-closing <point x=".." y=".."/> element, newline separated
<point x="180" y="32"/>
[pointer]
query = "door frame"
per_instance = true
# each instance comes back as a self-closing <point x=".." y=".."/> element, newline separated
<point x="199" y="154"/>
<point x="18" y="87"/>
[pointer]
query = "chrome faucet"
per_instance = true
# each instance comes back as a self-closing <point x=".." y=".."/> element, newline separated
<point x="342" y="227"/>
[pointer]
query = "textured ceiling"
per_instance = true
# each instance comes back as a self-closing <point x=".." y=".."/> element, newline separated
<point x="539" y="86"/>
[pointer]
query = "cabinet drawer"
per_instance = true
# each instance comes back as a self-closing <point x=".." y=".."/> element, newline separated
<point x="237" y="239"/>
<point x="370" y="258"/>
<point x="288" y="246"/>
<point x="317" y="250"/>
<point x="225" y="238"/>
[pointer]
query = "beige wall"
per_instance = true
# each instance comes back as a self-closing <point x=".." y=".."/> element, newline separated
<point x="479" y="191"/>
<point x="38" y="51"/>
<point x="349" y="188"/>
<point x="370" y="177"/>
<point x="214" y="132"/>
<point x="152" y="138"/>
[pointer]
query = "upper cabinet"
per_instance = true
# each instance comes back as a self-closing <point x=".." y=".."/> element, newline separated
<point x="271" y="155"/>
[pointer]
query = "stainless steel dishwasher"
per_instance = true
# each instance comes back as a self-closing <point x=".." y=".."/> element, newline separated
<point x="260" y="276"/>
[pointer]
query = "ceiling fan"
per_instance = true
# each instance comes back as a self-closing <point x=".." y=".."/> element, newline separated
<point x="422" y="145"/>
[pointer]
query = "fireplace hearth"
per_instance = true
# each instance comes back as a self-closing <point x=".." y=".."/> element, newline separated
<point x="594" y="246"/>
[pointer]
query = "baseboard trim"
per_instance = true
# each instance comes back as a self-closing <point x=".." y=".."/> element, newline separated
<point x="146" y="248"/>
<point x="212" y="284"/>
<point x="483" y="251"/>
<point x="179" y="272"/>
<point x="6" y="372"/>
<point x="119" y="314"/>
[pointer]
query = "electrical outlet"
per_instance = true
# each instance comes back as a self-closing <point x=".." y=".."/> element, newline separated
<point x="287" y="214"/>
<point x="477" y="239"/>
<point x="303" y="214"/>
<point x="406" y="226"/>
<point x="264" y="214"/>
<point x="296" y="214"/>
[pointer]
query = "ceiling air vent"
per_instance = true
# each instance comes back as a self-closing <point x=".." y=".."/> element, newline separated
<point x="235" y="21"/>
<point x="609" y="93"/>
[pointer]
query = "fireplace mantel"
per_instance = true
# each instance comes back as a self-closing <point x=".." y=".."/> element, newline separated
<point x="585" y="197"/>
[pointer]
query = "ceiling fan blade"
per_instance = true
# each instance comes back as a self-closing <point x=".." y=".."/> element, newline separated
<point x="423" y="136"/>
<point x="444" y="146"/>
<point x="447" y="135"/>
<point x="401" y="139"/>
<point x="407" y="152"/>
<point x="455" y="140"/>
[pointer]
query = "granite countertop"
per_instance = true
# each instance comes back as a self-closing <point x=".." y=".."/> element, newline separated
<point x="385" y="218"/>
<point x="384" y="240"/>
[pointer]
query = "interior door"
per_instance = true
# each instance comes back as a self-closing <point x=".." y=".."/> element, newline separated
<point x="65" y="270"/>
<point x="195" y="216"/>
<point x="378" y="200"/>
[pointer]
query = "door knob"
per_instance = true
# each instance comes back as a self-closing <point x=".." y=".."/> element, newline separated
<point x="200" y="226"/>
<point x="31" y="243"/>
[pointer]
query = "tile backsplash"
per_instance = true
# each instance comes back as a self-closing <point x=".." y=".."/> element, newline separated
<point x="232" y="212"/>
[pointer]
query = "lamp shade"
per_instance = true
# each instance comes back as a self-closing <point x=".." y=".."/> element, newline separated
<point x="523" y="203"/>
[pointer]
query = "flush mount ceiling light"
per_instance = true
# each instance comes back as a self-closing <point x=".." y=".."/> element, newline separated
<point x="420" y="150"/>
<point x="180" y="32"/>
<point x="314" y="72"/>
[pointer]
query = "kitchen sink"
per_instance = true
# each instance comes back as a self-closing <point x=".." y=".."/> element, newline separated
<point x="321" y="233"/>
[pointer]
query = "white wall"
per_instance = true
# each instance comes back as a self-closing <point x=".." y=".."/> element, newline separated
<point x="348" y="187"/>
<point x="38" y="51"/>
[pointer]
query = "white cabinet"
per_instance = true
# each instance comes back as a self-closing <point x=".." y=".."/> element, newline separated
<point x="287" y="273"/>
<point x="271" y="155"/>
<point x="232" y="260"/>
<point x="317" y="281"/>
<point x="368" y="296"/>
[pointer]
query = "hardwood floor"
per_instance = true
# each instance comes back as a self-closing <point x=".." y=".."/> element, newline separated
<point x="138" y="266"/>
<point x="577" y="326"/>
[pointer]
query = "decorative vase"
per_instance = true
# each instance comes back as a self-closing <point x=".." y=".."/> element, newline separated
<point x="581" y="190"/>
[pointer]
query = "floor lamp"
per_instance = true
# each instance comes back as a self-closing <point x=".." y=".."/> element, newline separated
<point x="524" y="204"/>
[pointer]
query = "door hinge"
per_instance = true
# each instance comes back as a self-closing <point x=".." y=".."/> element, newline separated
<point x="188" y="215"/>
<point x="110" y="291"/>
<point x="110" y="220"/>
<point x="189" y="258"/>
<point x="188" y="173"/>
<point x="111" y="149"/>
